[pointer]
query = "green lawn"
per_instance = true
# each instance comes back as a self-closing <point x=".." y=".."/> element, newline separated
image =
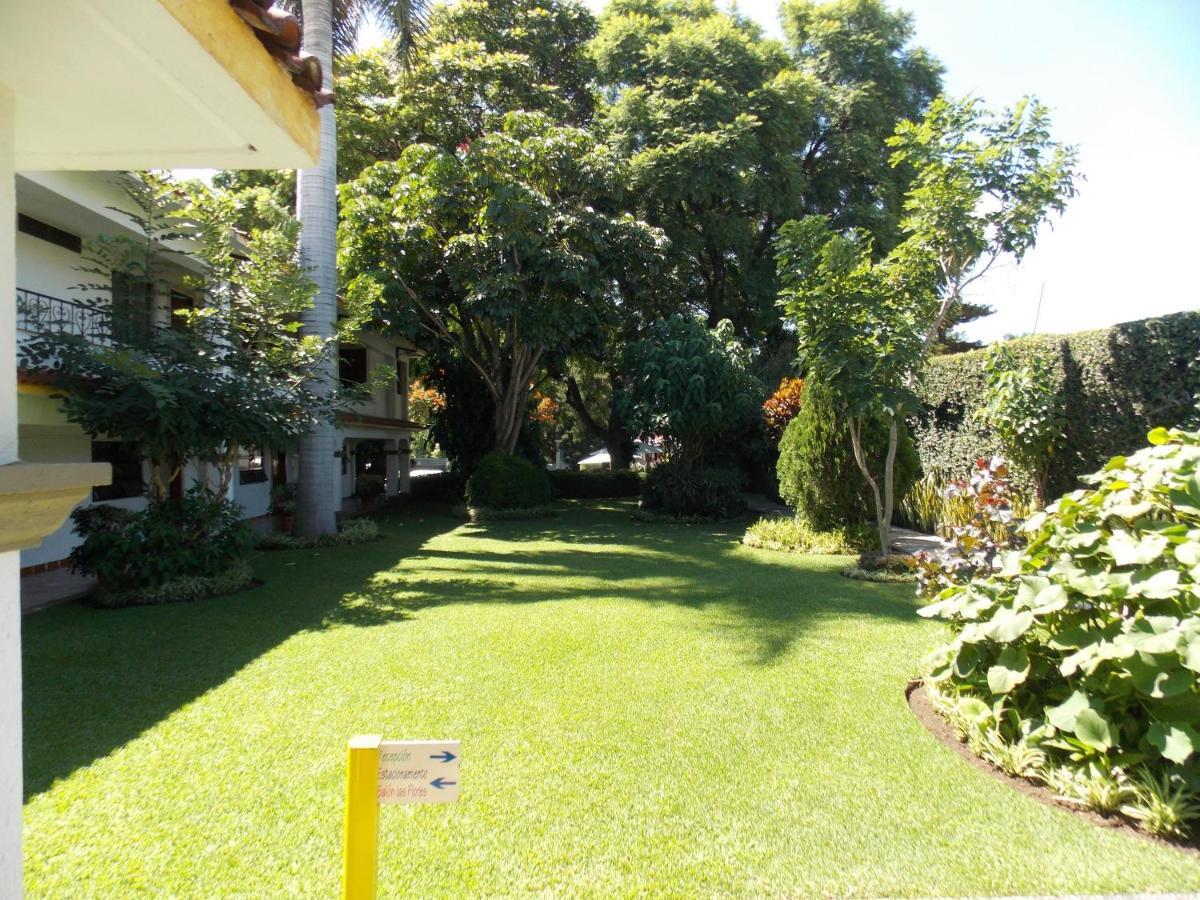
<point x="643" y="710"/>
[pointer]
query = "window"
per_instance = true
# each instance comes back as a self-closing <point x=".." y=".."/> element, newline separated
<point x="126" y="465"/>
<point x="132" y="308"/>
<point x="352" y="366"/>
<point x="39" y="229"/>
<point x="250" y="467"/>
<point x="401" y="373"/>
<point x="180" y="301"/>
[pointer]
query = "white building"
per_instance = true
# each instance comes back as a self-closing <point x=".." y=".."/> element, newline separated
<point x="103" y="85"/>
<point x="57" y="213"/>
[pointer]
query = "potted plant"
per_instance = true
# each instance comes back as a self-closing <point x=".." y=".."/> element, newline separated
<point x="283" y="505"/>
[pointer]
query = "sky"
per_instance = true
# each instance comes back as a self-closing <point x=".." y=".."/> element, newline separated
<point x="1122" y="79"/>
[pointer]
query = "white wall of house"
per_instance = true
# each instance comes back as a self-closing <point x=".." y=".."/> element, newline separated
<point x="10" y="565"/>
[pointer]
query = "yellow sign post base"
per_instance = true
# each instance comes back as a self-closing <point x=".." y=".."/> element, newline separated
<point x="360" y="837"/>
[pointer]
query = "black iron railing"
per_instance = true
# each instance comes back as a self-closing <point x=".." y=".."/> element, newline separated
<point x="39" y="313"/>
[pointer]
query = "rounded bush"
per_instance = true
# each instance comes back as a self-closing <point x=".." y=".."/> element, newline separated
<point x="818" y="476"/>
<point x="507" y="482"/>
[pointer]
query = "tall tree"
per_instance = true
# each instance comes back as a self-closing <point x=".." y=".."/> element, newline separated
<point x="504" y="249"/>
<point x="984" y="185"/>
<point x="730" y="135"/>
<point x="330" y="27"/>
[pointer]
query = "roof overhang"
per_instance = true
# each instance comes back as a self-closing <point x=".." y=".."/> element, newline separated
<point x="139" y="84"/>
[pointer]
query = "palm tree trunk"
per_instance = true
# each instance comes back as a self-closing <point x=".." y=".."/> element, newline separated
<point x="316" y="207"/>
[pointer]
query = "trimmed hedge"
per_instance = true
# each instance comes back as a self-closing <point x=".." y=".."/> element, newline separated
<point x="501" y="481"/>
<point x="441" y="487"/>
<point x="576" y="485"/>
<point x="1115" y="385"/>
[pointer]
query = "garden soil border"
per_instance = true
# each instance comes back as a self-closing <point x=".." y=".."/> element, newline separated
<point x="918" y="702"/>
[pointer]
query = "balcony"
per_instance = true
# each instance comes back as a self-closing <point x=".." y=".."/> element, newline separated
<point x="38" y="313"/>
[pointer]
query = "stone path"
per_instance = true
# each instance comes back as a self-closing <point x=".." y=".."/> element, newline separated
<point x="904" y="540"/>
<point x="48" y="589"/>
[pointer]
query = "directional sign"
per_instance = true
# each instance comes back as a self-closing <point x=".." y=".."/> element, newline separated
<point x="418" y="771"/>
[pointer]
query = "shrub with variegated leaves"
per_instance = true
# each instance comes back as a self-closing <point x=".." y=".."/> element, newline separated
<point x="1086" y="644"/>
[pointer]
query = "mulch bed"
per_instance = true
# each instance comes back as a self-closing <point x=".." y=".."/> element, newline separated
<point x="918" y="702"/>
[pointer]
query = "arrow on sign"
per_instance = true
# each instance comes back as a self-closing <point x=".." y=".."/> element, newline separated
<point x="444" y="756"/>
<point x="440" y="783"/>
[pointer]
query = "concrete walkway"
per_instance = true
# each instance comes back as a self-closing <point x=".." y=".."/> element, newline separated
<point x="904" y="540"/>
<point x="51" y="588"/>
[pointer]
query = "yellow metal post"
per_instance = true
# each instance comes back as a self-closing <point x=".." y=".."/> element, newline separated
<point x="360" y="839"/>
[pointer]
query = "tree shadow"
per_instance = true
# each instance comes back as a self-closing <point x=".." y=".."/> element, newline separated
<point x="95" y="680"/>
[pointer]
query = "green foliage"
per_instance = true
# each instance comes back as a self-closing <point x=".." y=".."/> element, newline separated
<point x="817" y="473"/>
<point x="440" y="487"/>
<point x="1086" y="644"/>
<point x="283" y="499"/>
<point x="684" y="488"/>
<point x="862" y="331"/>
<point x="796" y="535"/>
<point x="1021" y="408"/>
<point x="688" y="385"/>
<point x="352" y="531"/>
<point x="729" y="134"/>
<point x="201" y="535"/>
<point x="575" y="485"/>
<point x="984" y="184"/>
<point x="932" y="507"/>
<point x="1114" y="385"/>
<point x="501" y="481"/>
<point x="186" y="589"/>
<point x="505" y="250"/>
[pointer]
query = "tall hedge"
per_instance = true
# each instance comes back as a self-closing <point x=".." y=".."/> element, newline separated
<point x="1115" y="384"/>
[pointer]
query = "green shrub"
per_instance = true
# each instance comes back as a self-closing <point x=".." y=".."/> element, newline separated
<point x="201" y="535"/>
<point x="818" y="476"/>
<point x="576" y="485"/>
<point x="1085" y="646"/>
<point x="442" y="487"/>
<point x="351" y="531"/>
<point x="933" y="506"/>
<point x="483" y="514"/>
<point x="679" y="488"/>
<point x="179" y="590"/>
<point x="1114" y="385"/>
<point x="798" y="536"/>
<point x="502" y="481"/>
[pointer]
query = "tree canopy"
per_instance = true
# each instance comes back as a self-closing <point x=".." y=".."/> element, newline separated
<point x="504" y="249"/>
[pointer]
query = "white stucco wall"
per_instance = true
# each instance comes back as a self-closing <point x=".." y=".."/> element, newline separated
<point x="10" y="565"/>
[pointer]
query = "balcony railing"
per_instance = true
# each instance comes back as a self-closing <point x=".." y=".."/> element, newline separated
<point x="38" y="313"/>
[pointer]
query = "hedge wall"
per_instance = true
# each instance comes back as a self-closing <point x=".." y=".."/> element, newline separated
<point x="1115" y="385"/>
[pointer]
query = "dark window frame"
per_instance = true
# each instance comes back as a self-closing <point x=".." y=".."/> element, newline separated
<point x="127" y="471"/>
<point x="44" y="231"/>
<point x="248" y="473"/>
<point x="131" y="309"/>
<point x="352" y="365"/>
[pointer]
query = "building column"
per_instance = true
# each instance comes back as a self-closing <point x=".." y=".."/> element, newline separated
<point x="405" y="465"/>
<point x="10" y="561"/>
<point x="391" y="454"/>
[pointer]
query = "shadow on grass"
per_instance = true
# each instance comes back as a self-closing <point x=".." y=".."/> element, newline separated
<point x="96" y="679"/>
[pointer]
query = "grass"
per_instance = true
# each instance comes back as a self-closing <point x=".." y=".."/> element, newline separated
<point x="643" y="710"/>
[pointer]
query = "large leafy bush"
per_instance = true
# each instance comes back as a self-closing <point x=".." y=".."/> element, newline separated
<point x="501" y="481"/>
<point x="817" y="473"/>
<point x="200" y="536"/>
<point x="1084" y="647"/>
<point x="685" y="489"/>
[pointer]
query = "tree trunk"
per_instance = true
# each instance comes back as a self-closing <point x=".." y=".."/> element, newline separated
<point x="617" y="439"/>
<point x="316" y="207"/>
<point x="883" y="507"/>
